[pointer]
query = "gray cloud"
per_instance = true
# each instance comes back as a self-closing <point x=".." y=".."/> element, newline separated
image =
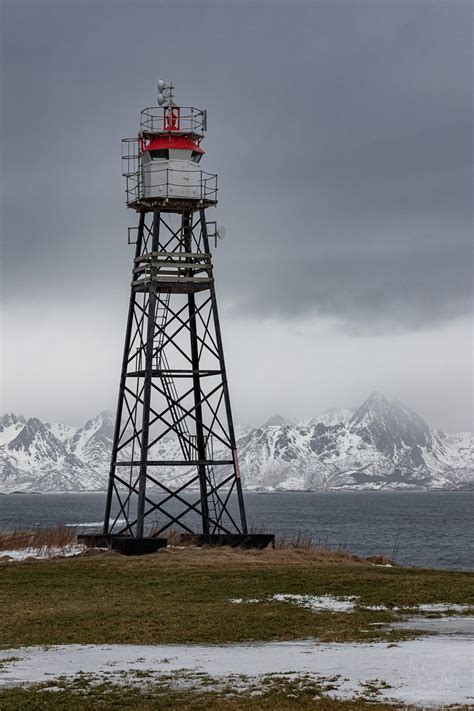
<point x="341" y="132"/>
<point x="367" y="292"/>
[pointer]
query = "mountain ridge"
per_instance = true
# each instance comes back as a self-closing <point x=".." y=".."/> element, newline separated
<point x="378" y="445"/>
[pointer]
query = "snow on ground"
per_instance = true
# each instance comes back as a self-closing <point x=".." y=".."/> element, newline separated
<point x="44" y="552"/>
<point x="324" y="602"/>
<point x="442" y="607"/>
<point x="436" y="607"/>
<point x="329" y="603"/>
<point x="313" y="602"/>
<point x="425" y="671"/>
<point x="240" y="600"/>
<point x="458" y="625"/>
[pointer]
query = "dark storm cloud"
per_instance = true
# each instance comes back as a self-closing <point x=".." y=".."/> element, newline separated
<point x="368" y="214"/>
<point x="341" y="133"/>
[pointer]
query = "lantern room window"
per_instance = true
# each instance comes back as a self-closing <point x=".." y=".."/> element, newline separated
<point x="174" y="153"/>
<point x="180" y="153"/>
<point x="162" y="153"/>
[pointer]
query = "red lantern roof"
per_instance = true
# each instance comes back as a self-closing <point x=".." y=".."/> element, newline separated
<point x="148" y="143"/>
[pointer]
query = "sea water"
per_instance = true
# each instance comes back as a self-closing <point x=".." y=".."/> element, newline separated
<point x="424" y="529"/>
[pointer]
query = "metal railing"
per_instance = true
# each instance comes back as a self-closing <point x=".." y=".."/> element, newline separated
<point x="154" y="119"/>
<point x="131" y="157"/>
<point x="203" y="186"/>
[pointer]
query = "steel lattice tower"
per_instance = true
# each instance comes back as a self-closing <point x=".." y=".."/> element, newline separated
<point x="174" y="459"/>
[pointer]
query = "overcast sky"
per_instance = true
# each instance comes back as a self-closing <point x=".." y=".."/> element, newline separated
<point x="342" y="136"/>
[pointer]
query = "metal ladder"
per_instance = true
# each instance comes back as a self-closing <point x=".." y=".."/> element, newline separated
<point x="211" y="477"/>
<point x="186" y="439"/>
<point x="169" y="386"/>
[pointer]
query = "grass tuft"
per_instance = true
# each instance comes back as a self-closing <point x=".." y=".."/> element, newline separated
<point x="44" y="538"/>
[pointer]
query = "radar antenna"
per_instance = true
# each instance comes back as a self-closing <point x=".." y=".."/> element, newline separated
<point x="165" y="93"/>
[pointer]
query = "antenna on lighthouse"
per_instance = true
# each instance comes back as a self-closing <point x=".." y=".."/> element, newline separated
<point x="165" y="93"/>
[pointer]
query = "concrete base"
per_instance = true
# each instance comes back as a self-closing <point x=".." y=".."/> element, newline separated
<point x="127" y="545"/>
<point x="235" y="540"/>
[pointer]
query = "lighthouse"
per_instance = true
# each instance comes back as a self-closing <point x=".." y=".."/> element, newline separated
<point x="174" y="461"/>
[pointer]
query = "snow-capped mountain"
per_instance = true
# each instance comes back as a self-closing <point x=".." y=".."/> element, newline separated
<point x="32" y="457"/>
<point x="380" y="445"/>
<point x="92" y="443"/>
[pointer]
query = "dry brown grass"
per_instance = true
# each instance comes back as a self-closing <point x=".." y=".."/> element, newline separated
<point x="190" y="556"/>
<point x="286" y="540"/>
<point x="291" y="546"/>
<point x="380" y="560"/>
<point x="173" y="536"/>
<point x="294" y="539"/>
<point x="45" y="538"/>
<point x="211" y="556"/>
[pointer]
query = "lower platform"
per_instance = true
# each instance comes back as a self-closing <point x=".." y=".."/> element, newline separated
<point x="127" y="545"/>
<point x="170" y="203"/>
<point x="235" y="540"/>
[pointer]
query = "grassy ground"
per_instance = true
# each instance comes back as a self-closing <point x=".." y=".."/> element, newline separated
<point x="273" y="693"/>
<point x="181" y="596"/>
<point x="279" y="695"/>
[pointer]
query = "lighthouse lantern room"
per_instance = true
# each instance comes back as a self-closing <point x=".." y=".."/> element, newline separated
<point x="162" y="163"/>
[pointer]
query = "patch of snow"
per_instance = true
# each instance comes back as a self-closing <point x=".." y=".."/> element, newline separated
<point x="426" y="671"/>
<point x="431" y="607"/>
<point x="442" y="607"/>
<point x="240" y="600"/>
<point x="319" y="603"/>
<point x="330" y="603"/>
<point x="44" y="552"/>
<point x="10" y="432"/>
<point x="458" y="625"/>
<point x="62" y="432"/>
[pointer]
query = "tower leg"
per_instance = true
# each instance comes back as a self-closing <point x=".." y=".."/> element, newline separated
<point x="200" y="440"/>
<point x="228" y="408"/>
<point x="123" y="378"/>
<point x="147" y="388"/>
